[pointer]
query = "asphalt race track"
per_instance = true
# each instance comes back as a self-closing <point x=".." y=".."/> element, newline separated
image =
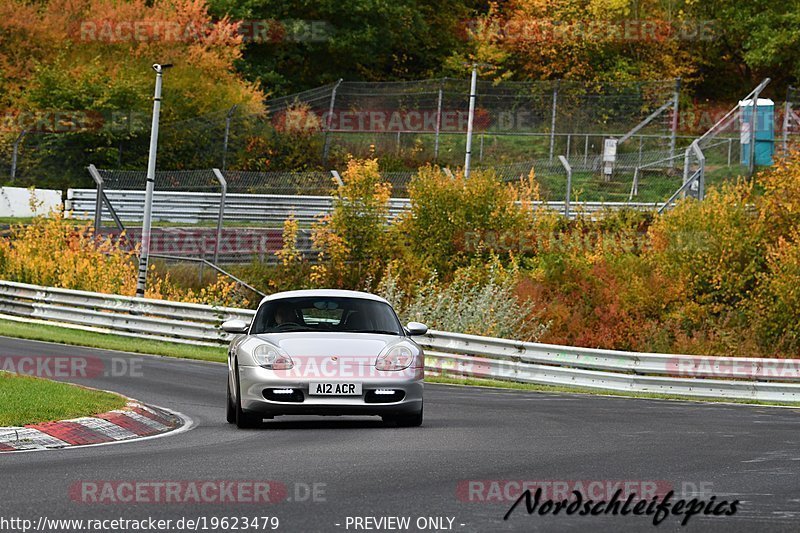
<point x="362" y="469"/>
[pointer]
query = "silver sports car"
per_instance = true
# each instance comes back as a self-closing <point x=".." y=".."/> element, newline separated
<point x="324" y="352"/>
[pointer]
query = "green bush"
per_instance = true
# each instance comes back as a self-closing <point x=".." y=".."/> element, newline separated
<point x="352" y="240"/>
<point x="466" y="306"/>
<point x="454" y="218"/>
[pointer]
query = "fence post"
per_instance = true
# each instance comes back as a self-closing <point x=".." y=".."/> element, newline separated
<point x="223" y="188"/>
<point x="566" y="166"/>
<point x="438" y="122"/>
<point x="685" y="168"/>
<point x="553" y="120"/>
<point x="675" y="118"/>
<point x="15" y="153"/>
<point x="701" y="193"/>
<point x="787" y="109"/>
<point x="634" y="185"/>
<point x="470" y="118"/>
<point x="231" y="111"/>
<point x="144" y="255"/>
<point x="586" y="151"/>
<point x="569" y="141"/>
<point x="753" y="124"/>
<point x="730" y="150"/>
<point x="328" y="121"/>
<point x="641" y="140"/>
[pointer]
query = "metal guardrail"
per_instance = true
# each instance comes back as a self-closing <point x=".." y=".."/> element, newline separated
<point x="450" y="354"/>
<point x="125" y="315"/>
<point x="615" y="371"/>
<point x="194" y="207"/>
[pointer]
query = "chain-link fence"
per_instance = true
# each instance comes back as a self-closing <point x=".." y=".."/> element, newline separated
<point x="405" y="124"/>
<point x="235" y="217"/>
<point x="790" y="130"/>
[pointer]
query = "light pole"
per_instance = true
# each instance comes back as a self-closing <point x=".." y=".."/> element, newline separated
<point x="471" y="118"/>
<point x="151" y="179"/>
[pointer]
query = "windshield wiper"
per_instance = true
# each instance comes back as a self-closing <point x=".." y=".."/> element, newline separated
<point x="375" y="331"/>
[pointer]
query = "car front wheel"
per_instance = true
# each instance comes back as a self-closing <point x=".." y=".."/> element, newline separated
<point x="243" y="420"/>
<point x="406" y="421"/>
<point x="230" y="411"/>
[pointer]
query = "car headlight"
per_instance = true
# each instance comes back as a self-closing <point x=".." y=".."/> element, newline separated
<point x="398" y="357"/>
<point x="272" y="357"/>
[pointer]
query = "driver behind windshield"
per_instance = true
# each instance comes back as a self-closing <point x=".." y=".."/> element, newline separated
<point x="284" y="315"/>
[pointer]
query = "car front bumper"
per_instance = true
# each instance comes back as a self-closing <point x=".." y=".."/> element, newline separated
<point x="255" y="380"/>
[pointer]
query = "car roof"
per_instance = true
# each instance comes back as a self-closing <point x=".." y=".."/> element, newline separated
<point x="325" y="293"/>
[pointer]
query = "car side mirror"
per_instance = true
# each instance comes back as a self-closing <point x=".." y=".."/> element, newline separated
<point x="235" y="326"/>
<point x="416" y="328"/>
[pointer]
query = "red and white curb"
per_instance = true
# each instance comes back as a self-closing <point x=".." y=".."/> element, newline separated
<point x="135" y="422"/>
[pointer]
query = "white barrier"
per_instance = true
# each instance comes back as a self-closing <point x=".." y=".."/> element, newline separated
<point x="16" y="201"/>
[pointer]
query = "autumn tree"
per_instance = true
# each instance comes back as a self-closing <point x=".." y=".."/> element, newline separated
<point x="594" y="40"/>
<point x="92" y="58"/>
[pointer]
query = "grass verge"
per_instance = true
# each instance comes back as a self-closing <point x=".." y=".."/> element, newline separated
<point x="476" y="382"/>
<point x="28" y="400"/>
<point x="105" y="341"/>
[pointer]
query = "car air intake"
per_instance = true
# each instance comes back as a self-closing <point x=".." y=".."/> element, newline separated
<point x="284" y="395"/>
<point x="384" y="396"/>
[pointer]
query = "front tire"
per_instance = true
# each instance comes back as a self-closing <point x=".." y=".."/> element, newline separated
<point x="406" y="421"/>
<point x="243" y="420"/>
<point x="230" y="411"/>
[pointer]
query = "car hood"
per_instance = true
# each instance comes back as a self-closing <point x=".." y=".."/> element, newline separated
<point x="350" y="345"/>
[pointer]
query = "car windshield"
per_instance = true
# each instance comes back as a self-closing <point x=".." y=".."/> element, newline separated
<point x="353" y="315"/>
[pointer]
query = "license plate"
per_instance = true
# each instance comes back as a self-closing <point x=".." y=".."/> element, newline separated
<point x="334" y="389"/>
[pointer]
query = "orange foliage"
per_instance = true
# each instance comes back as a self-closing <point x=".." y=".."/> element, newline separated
<point x="57" y="252"/>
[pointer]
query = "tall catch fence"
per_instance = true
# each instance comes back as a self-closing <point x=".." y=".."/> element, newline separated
<point x="405" y="124"/>
<point x="790" y="130"/>
<point x="233" y="216"/>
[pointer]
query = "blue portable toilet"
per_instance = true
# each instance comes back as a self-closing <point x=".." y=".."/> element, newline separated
<point x="765" y="131"/>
